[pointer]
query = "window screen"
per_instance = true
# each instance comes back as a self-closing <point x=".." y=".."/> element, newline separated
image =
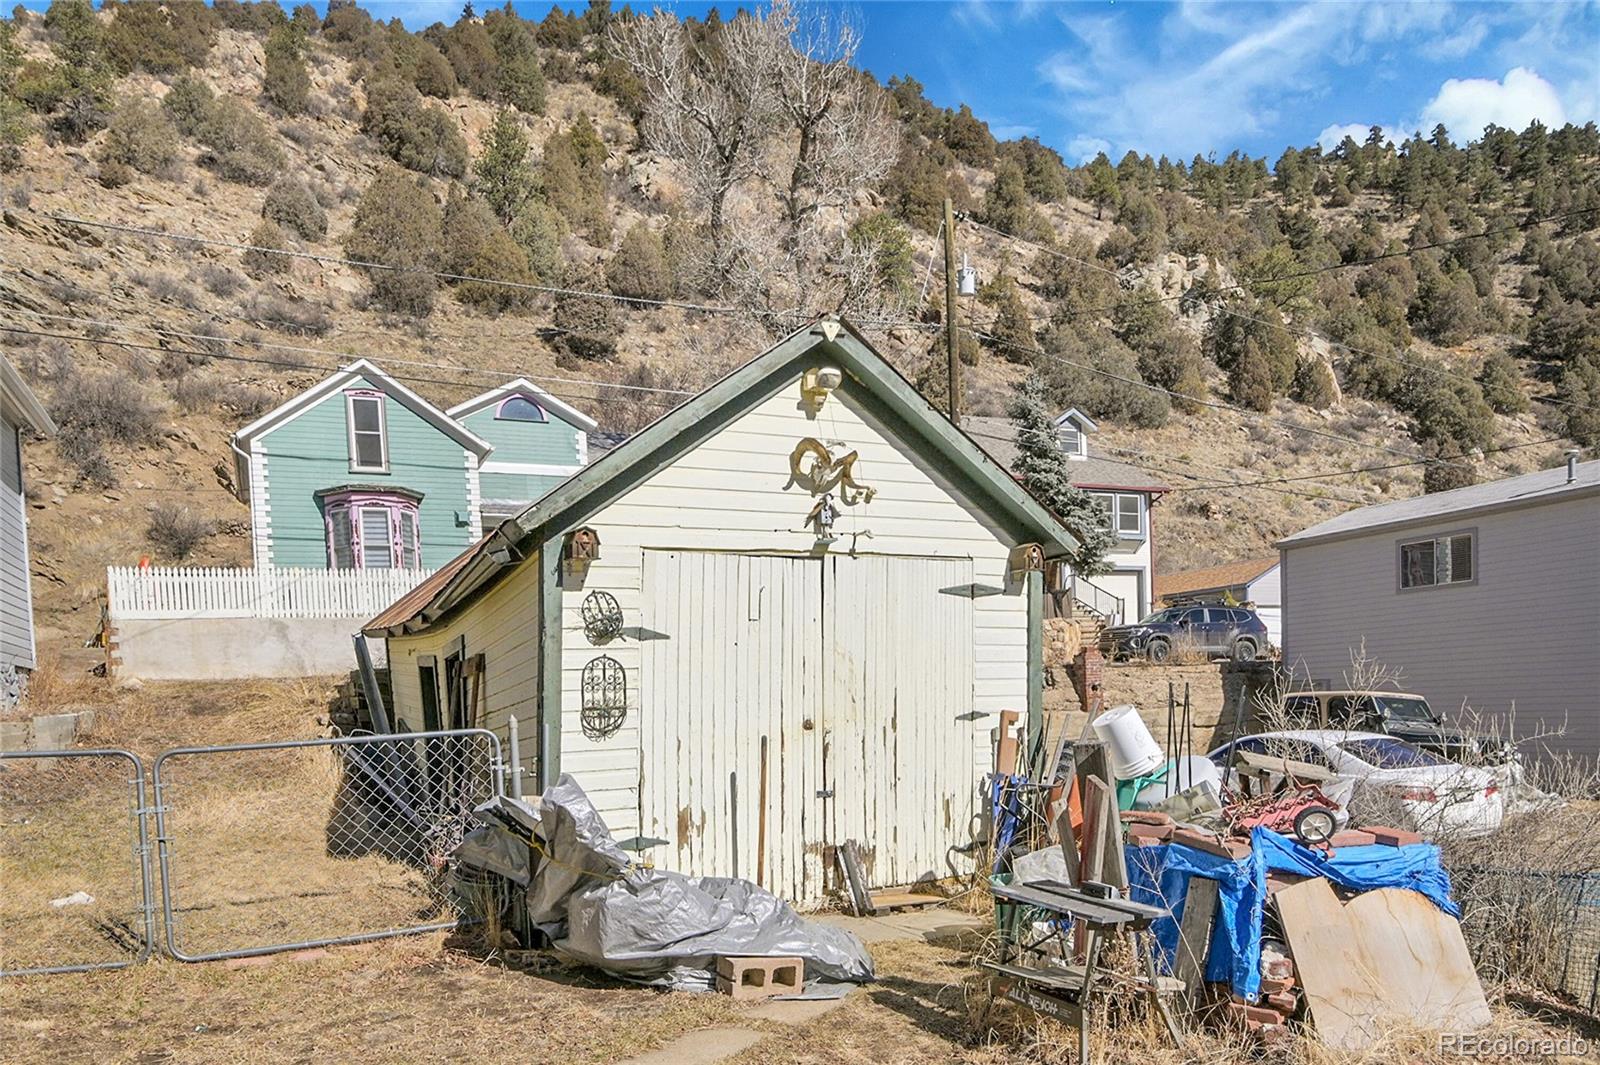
<point x="376" y="550"/>
<point x="1441" y="560"/>
<point x="368" y="450"/>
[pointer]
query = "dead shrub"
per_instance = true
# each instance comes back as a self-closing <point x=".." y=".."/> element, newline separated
<point x="159" y="284"/>
<point x="219" y="280"/>
<point x="114" y="174"/>
<point x="176" y="531"/>
<point x="260" y="260"/>
<point x="97" y="409"/>
<point x="298" y="317"/>
<point x="249" y="401"/>
<point x="195" y="393"/>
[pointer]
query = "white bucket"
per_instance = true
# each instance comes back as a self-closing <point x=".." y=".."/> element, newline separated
<point x="1132" y="750"/>
<point x="1182" y="773"/>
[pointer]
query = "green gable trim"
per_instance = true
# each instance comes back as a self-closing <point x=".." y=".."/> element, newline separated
<point x="868" y="378"/>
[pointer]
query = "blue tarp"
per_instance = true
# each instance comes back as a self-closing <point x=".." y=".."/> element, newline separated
<point x="1160" y="876"/>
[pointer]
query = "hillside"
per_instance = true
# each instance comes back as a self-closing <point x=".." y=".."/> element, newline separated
<point x="1225" y="321"/>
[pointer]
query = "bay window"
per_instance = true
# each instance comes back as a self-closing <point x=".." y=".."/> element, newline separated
<point x="370" y="528"/>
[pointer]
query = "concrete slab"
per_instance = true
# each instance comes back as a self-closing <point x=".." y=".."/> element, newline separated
<point x="926" y="925"/>
<point x="798" y="1012"/>
<point x="700" y="1047"/>
<point x="54" y="732"/>
<point x="13" y="735"/>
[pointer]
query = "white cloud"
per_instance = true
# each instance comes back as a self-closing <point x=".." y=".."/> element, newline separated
<point x="1466" y="105"/>
<point x="1081" y="149"/>
<point x="1460" y="43"/>
<point x="1334" y="135"/>
<point x="976" y="14"/>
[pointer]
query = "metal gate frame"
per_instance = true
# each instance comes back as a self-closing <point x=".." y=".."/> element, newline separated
<point x="164" y="842"/>
<point x="142" y="849"/>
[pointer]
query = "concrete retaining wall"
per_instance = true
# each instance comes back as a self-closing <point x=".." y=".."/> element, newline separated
<point x="233" y="648"/>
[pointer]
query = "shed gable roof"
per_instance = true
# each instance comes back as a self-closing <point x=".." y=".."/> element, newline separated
<point x="20" y="406"/>
<point x="1227" y="575"/>
<point x="981" y="479"/>
<point x="522" y="386"/>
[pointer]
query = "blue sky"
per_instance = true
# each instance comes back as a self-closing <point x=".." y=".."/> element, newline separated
<point x="1188" y="77"/>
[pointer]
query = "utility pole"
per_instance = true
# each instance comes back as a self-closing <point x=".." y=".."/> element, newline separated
<point x="951" y="336"/>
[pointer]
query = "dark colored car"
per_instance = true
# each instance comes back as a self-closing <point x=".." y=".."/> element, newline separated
<point x="1216" y="630"/>
<point x="1399" y="714"/>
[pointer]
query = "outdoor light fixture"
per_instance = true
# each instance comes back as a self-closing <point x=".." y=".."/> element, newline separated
<point x="817" y="383"/>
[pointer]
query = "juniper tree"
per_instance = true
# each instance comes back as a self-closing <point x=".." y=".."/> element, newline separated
<point x="1043" y="468"/>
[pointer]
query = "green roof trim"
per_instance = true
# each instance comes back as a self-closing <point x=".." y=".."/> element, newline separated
<point x="868" y="378"/>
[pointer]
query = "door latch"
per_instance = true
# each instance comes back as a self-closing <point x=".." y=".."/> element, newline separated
<point x="825" y="793"/>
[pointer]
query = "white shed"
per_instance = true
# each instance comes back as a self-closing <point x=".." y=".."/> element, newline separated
<point x="785" y="615"/>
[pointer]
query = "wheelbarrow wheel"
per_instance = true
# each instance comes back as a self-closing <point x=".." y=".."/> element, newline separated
<point x="1315" y="825"/>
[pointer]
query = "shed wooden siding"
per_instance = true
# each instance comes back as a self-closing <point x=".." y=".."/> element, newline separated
<point x="503" y="627"/>
<point x="311" y="452"/>
<point x="1526" y="633"/>
<point x="728" y="495"/>
<point x="16" y="600"/>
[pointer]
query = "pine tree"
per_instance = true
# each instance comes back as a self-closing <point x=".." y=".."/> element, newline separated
<point x="287" y="82"/>
<point x="1043" y="468"/>
<point x="505" y="180"/>
<point x="13" y="119"/>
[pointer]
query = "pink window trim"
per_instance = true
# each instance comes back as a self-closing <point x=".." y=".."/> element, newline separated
<point x="347" y="507"/>
<point x="544" y="415"/>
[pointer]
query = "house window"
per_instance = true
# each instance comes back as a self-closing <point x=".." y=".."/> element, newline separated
<point x="1072" y="441"/>
<point x="1450" y="559"/>
<point x="1124" y="513"/>
<point x="369" y="437"/>
<point x="369" y="529"/>
<point x="520" y="409"/>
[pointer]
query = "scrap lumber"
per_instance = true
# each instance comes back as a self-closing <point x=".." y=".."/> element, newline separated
<point x="1390" y="956"/>
<point x="1069" y="846"/>
<point x="855" y="877"/>
<point x="1005" y="757"/>
<point x="1194" y="935"/>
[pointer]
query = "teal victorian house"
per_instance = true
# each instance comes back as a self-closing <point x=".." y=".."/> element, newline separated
<point x="360" y="472"/>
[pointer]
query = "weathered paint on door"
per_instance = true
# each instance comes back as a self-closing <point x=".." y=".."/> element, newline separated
<point x="732" y="657"/>
<point x="857" y="673"/>
<point x="898" y="721"/>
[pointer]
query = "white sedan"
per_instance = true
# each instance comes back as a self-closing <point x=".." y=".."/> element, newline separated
<point x="1387" y="779"/>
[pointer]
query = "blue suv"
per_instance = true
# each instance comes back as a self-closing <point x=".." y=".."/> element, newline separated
<point x="1214" y="630"/>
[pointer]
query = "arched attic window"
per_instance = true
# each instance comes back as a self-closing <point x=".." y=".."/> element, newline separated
<point x="520" y="408"/>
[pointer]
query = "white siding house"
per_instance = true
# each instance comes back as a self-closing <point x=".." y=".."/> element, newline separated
<point x="774" y="684"/>
<point x="20" y="410"/>
<point x="1487" y="596"/>
<point x="1127" y="496"/>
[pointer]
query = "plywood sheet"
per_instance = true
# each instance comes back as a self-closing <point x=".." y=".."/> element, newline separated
<point x="1388" y="957"/>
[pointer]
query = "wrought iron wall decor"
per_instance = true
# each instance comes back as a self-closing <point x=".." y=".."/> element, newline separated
<point x="605" y="698"/>
<point x="602" y="617"/>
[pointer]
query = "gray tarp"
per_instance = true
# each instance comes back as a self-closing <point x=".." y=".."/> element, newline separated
<point x="659" y="927"/>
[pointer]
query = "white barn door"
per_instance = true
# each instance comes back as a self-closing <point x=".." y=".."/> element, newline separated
<point x="856" y="674"/>
<point x="899" y="729"/>
<point x="732" y="665"/>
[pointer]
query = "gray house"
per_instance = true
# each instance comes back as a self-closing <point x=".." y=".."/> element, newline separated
<point x="19" y="409"/>
<point x="1487" y="596"/>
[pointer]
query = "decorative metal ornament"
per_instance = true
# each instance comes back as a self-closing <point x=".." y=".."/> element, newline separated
<point x="605" y="698"/>
<point x="813" y="467"/>
<point x="602" y="617"/>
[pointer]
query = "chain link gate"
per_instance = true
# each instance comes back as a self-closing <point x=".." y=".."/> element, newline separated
<point x="75" y="877"/>
<point x="364" y="823"/>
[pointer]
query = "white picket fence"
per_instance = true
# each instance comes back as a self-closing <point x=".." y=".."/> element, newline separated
<point x="155" y="592"/>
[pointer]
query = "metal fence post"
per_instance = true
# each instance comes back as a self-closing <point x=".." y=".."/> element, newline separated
<point x="516" y="758"/>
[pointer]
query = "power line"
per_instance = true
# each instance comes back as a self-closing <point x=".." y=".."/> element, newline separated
<point x="1219" y="307"/>
<point x="1214" y="403"/>
<point x="302" y="349"/>
<point x="280" y="363"/>
<point x="554" y="290"/>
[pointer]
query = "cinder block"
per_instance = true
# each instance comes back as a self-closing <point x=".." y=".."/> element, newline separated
<point x="1393" y="837"/>
<point x="753" y="978"/>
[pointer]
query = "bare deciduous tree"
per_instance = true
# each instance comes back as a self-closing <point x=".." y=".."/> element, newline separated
<point x="712" y="99"/>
